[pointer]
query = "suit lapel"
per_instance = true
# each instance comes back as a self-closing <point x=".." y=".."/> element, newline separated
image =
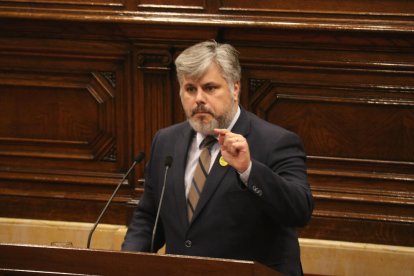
<point x="180" y="161"/>
<point x="218" y="172"/>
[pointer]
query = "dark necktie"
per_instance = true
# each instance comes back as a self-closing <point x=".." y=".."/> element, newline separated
<point x="200" y="175"/>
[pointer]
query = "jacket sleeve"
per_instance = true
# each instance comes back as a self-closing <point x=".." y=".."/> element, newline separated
<point x="280" y="182"/>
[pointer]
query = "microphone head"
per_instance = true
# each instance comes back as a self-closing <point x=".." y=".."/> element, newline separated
<point x="168" y="161"/>
<point x="139" y="157"/>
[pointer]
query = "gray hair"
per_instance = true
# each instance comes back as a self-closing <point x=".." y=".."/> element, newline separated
<point x="195" y="60"/>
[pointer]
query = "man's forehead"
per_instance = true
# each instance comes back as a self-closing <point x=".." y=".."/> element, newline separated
<point x="197" y="77"/>
<point x="199" y="82"/>
<point x="194" y="79"/>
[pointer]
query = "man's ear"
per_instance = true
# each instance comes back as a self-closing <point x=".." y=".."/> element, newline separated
<point x="236" y="90"/>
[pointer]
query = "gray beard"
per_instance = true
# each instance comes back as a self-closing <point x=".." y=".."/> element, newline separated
<point x="217" y="122"/>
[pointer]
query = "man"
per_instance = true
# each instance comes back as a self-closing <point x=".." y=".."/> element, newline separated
<point x="245" y="204"/>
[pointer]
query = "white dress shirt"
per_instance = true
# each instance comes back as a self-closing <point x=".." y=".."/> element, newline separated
<point x="194" y="153"/>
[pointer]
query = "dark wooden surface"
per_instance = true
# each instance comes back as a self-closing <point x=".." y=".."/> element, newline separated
<point x="40" y="260"/>
<point x="84" y="85"/>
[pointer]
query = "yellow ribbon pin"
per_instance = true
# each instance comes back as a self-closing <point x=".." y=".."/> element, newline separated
<point x="223" y="162"/>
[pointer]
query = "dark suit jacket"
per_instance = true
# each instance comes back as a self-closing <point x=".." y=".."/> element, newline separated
<point x="257" y="222"/>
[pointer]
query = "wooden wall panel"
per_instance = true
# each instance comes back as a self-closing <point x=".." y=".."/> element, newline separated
<point x="70" y="116"/>
<point x="83" y="88"/>
<point x="355" y="117"/>
<point x="62" y="108"/>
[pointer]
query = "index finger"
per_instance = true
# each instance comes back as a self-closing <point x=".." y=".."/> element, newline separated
<point x="221" y="131"/>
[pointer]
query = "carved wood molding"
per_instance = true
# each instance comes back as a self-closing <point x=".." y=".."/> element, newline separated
<point x="154" y="65"/>
<point x="65" y="143"/>
<point x="266" y="98"/>
<point x="391" y="16"/>
<point x="76" y="4"/>
<point x="197" y="6"/>
<point x="154" y="59"/>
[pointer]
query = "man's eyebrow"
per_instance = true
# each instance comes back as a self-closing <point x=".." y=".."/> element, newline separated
<point x="211" y="83"/>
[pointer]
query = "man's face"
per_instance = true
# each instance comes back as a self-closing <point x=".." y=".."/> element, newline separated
<point x="208" y="101"/>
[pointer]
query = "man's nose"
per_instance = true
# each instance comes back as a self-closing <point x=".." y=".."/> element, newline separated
<point x="200" y="96"/>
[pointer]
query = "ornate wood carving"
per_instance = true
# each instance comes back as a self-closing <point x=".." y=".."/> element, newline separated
<point x="154" y="59"/>
<point x="110" y="77"/>
<point x="154" y="82"/>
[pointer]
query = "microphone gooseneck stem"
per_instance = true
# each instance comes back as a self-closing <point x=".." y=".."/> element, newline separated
<point x="107" y="204"/>
<point x="154" y="230"/>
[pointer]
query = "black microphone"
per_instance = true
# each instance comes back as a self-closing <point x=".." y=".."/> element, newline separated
<point x="167" y="164"/>
<point x="137" y="160"/>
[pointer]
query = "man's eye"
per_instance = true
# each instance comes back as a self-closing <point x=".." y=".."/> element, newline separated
<point x="210" y="88"/>
<point x="190" y="89"/>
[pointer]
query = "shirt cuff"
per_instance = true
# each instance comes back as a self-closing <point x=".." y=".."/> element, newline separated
<point x="244" y="176"/>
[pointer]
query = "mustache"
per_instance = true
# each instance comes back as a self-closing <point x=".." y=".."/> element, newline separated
<point x="201" y="109"/>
